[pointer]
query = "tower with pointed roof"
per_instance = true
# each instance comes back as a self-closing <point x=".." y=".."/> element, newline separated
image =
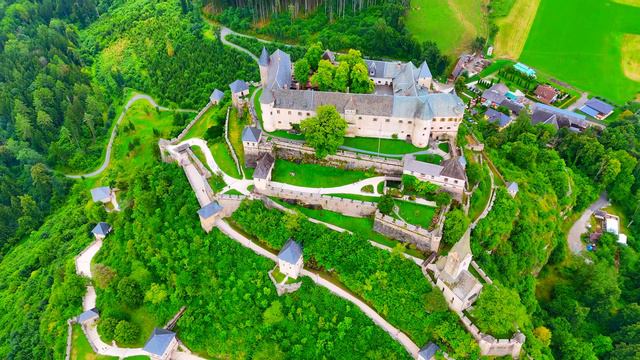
<point x="263" y="64"/>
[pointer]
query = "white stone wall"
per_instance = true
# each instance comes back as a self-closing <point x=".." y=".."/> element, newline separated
<point x="291" y="270"/>
<point x="399" y="230"/>
<point x="449" y="184"/>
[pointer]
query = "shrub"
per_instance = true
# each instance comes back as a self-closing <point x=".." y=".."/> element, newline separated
<point x="367" y="188"/>
<point x="129" y="292"/>
<point x="386" y="204"/>
<point x="126" y="332"/>
<point x="107" y="327"/>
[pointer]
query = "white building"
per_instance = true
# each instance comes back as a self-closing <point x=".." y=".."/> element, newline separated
<point x="101" y="230"/>
<point x="216" y="97"/>
<point x="290" y="259"/>
<point x="407" y="112"/>
<point x="459" y="287"/>
<point x="450" y="176"/>
<point x="209" y="214"/>
<point x="107" y="196"/>
<point x="262" y="173"/>
<point x="161" y="344"/>
<point x="239" y="92"/>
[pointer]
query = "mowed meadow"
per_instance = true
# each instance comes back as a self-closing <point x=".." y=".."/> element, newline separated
<point x="581" y="42"/>
<point x="452" y="24"/>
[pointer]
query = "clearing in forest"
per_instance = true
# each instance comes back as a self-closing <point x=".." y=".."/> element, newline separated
<point x="631" y="56"/>
<point x="452" y="24"/>
<point x="514" y="29"/>
<point x="580" y="42"/>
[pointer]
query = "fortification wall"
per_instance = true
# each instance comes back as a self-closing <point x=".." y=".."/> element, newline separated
<point x="230" y="203"/>
<point x="490" y="346"/>
<point x="190" y="125"/>
<point x="294" y="151"/>
<point x="397" y="229"/>
<point x="347" y="207"/>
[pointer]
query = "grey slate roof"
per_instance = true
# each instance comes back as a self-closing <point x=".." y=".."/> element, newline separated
<point x="291" y="252"/>
<point x="329" y="55"/>
<point x="410" y="164"/>
<point x="216" y="95"/>
<point x="238" y="86"/>
<point x="263" y="166"/>
<point x="493" y="96"/>
<point x="102" y="228"/>
<point x="515" y="107"/>
<point x="264" y="57"/>
<point x="424" y="71"/>
<point x="279" y="71"/>
<point x="101" y="193"/>
<point x="560" y="118"/>
<point x="210" y="209"/>
<point x="159" y="341"/>
<point x="499" y="88"/>
<point x="251" y="134"/>
<point x="452" y="168"/>
<point x="599" y="106"/>
<point x="428" y="351"/>
<point x="513" y="187"/>
<point x="87" y="315"/>
<point x="494" y="116"/>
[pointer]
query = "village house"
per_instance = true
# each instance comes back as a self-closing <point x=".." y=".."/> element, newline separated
<point x="107" y="196"/>
<point x="546" y="93"/>
<point x="239" y="90"/>
<point x="262" y="173"/>
<point x="469" y="64"/>
<point x="495" y="95"/>
<point x="496" y="117"/>
<point x="513" y="106"/>
<point x="101" y="230"/>
<point x="459" y="287"/>
<point x="597" y="108"/>
<point x="290" y="259"/>
<point x="559" y="118"/>
<point x="161" y="344"/>
<point x="88" y="317"/>
<point x="216" y="97"/>
<point x="402" y="108"/>
<point x="450" y="176"/>
<point x="209" y="214"/>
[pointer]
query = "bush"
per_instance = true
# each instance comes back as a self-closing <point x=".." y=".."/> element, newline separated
<point x="126" y="332"/>
<point x="443" y="198"/>
<point x="107" y="327"/>
<point x="386" y="204"/>
<point x="367" y="188"/>
<point x="129" y="292"/>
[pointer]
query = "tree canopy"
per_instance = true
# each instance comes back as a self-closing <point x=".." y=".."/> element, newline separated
<point x="325" y="131"/>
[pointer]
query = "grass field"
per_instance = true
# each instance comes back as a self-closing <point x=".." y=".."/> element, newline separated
<point x="430" y="158"/>
<point x="452" y="24"/>
<point x="81" y="349"/>
<point x="514" y="29"/>
<point x="580" y="42"/>
<point x="387" y="146"/>
<point x="480" y="197"/>
<point x="631" y="56"/>
<point x="416" y="214"/>
<point x="312" y="175"/>
<point x="223" y="159"/>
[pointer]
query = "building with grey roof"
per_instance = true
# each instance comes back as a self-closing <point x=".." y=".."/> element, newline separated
<point x="262" y="172"/>
<point x="559" y="118"/>
<point x="597" y="108"/>
<point x="161" y="344"/>
<point x="410" y="112"/>
<point x="101" y="230"/>
<point x="216" y="96"/>
<point x="238" y="86"/>
<point x="107" y="196"/>
<point x="239" y="90"/>
<point x="492" y="97"/>
<point x="251" y="134"/>
<point x="290" y="259"/>
<point x="450" y="175"/>
<point x="515" y="107"/>
<point x="512" y="189"/>
<point x="496" y="117"/>
<point x="88" y="316"/>
<point x="428" y="352"/>
<point x="209" y="214"/>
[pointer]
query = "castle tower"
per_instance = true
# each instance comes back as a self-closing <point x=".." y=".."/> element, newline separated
<point x="263" y="63"/>
<point x="459" y="257"/>
<point x="424" y="76"/>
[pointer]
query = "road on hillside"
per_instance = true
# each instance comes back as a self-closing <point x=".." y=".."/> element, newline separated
<point x="580" y="226"/>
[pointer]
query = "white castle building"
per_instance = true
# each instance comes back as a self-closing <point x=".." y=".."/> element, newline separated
<point x="401" y="107"/>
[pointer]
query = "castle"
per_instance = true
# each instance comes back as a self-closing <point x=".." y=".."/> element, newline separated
<point x="401" y="107"/>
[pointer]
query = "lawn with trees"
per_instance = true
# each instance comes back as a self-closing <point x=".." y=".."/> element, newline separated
<point x="325" y="131"/>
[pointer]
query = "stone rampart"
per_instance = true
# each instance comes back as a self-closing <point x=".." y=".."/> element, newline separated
<point x="190" y="125"/>
<point x="344" y="206"/>
<point x="397" y="229"/>
<point x="230" y="203"/>
<point x="490" y="346"/>
<point x="348" y="160"/>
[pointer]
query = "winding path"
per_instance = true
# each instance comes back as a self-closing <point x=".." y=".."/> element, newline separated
<point x="114" y="131"/>
<point x="225" y="31"/>
<point x="580" y="226"/>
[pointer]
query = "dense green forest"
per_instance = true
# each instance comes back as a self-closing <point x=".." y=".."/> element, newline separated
<point x="583" y="309"/>
<point x="376" y="30"/>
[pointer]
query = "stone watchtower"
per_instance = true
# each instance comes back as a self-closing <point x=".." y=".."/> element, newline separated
<point x="251" y="137"/>
<point x="263" y="64"/>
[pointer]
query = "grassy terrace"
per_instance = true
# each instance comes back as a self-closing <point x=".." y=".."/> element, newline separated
<point x="387" y="146"/>
<point x="430" y="158"/>
<point x="416" y="214"/>
<point x="312" y="175"/>
<point x="480" y="197"/>
<point x="360" y="226"/>
<point x="208" y="119"/>
<point x="223" y="158"/>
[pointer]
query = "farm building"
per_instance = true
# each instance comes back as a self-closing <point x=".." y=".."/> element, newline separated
<point x="559" y="118"/>
<point x="597" y="109"/>
<point x="525" y="69"/>
<point x="546" y="93"/>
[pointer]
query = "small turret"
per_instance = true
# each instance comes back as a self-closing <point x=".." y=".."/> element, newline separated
<point x="263" y="64"/>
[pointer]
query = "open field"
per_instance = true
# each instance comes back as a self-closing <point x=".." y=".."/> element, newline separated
<point x="580" y="42"/>
<point x="386" y="146"/>
<point x="416" y="214"/>
<point x="452" y="24"/>
<point x="631" y="56"/>
<point x="514" y="29"/>
<point x="628" y="2"/>
<point x="312" y="175"/>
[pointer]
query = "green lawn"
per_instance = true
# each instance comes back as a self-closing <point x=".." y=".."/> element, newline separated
<point x="200" y="127"/>
<point x="480" y="197"/>
<point x="223" y="158"/>
<point x="80" y="347"/>
<point x="236" y="125"/>
<point x="444" y="146"/>
<point x="452" y="24"/>
<point x="360" y="226"/>
<point x="312" y="175"/>
<point x="233" y="192"/>
<point x="387" y="146"/>
<point x="430" y="158"/>
<point x="579" y="42"/>
<point x="416" y="214"/>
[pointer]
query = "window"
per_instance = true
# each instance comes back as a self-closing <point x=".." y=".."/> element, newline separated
<point x="359" y="117"/>
<point x="299" y="113"/>
<point x="279" y="122"/>
<point x="308" y="114"/>
<point x="409" y="122"/>
<point x="375" y="119"/>
<point x="387" y="120"/>
<point x="400" y="121"/>
<point x="270" y="112"/>
<point x="278" y="111"/>
<point x="455" y="181"/>
<point x="289" y="113"/>
<point x="424" y="129"/>
<point x="448" y="127"/>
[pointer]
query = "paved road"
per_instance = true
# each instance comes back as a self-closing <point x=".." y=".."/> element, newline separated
<point x="403" y="339"/>
<point x="580" y="226"/>
<point x="578" y="104"/>
<point x="224" y="31"/>
<point x="114" y="132"/>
